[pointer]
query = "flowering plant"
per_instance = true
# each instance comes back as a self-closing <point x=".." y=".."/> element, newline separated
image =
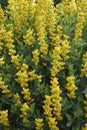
<point x="43" y="65"/>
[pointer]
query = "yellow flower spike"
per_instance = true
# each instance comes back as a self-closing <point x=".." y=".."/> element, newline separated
<point x="2" y="16"/>
<point x="51" y="21"/>
<point x="52" y="123"/>
<point x="26" y="94"/>
<point x="32" y="75"/>
<point x="47" y="106"/>
<point x="85" y="127"/>
<point x="19" y="7"/>
<point x="73" y="6"/>
<point x="28" y="38"/>
<point x="1" y="47"/>
<point x="84" y="66"/>
<point x="4" y="88"/>
<point x="17" y="100"/>
<point x="2" y="32"/>
<point x="16" y="60"/>
<point x="26" y="121"/>
<point x="25" y="107"/>
<point x="41" y="31"/>
<point x="1" y="61"/>
<point x="4" y="118"/>
<point x="39" y="124"/>
<point x="85" y="105"/>
<point x="65" y="48"/>
<point x="57" y="64"/>
<point x="35" y="57"/>
<point x="78" y="30"/>
<point x="71" y="87"/>
<point x="9" y="35"/>
<point x="39" y="78"/>
<point x="56" y="98"/>
<point x="22" y="78"/>
<point x="10" y="46"/>
<point x="86" y="95"/>
<point x="24" y="111"/>
<point x="24" y="67"/>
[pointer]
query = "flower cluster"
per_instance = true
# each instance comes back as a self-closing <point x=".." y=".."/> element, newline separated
<point x="71" y="87"/>
<point x="24" y="111"/>
<point x="47" y="106"/>
<point x="84" y="128"/>
<point x="52" y="123"/>
<point x="85" y="107"/>
<point x="79" y="26"/>
<point x="28" y="38"/>
<point x="4" y="119"/>
<point x="56" y="98"/>
<point x="39" y="124"/>
<point x="4" y="88"/>
<point x="35" y="57"/>
<point x="84" y="66"/>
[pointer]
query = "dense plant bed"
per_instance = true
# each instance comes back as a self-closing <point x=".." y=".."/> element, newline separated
<point x="43" y="65"/>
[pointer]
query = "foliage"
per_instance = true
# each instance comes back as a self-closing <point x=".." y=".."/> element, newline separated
<point x="3" y="3"/>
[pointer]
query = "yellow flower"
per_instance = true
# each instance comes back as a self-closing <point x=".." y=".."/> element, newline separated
<point x="71" y="87"/>
<point x="47" y="106"/>
<point x="40" y="12"/>
<point x="20" y="7"/>
<point x="39" y="78"/>
<point x="65" y="48"/>
<point x="17" y="100"/>
<point x="24" y="111"/>
<point x="51" y="20"/>
<point x="4" y="118"/>
<point x="79" y="26"/>
<point x="2" y="33"/>
<point x="73" y="6"/>
<point x="1" y="47"/>
<point x="32" y="75"/>
<point x="26" y="121"/>
<point x="2" y="16"/>
<point x="39" y="124"/>
<point x="84" y="128"/>
<point x="15" y="59"/>
<point x="84" y="66"/>
<point x="26" y="94"/>
<point x="35" y="57"/>
<point x="86" y="95"/>
<point x="1" y="61"/>
<point x="24" y="67"/>
<point x="22" y="78"/>
<point x="28" y="38"/>
<point x="4" y="87"/>
<point x="57" y="64"/>
<point x="85" y="105"/>
<point x="52" y="123"/>
<point x="56" y="98"/>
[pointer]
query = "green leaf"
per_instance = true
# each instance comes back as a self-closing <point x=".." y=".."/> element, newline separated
<point x="85" y="90"/>
<point x="32" y="108"/>
<point x="5" y="100"/>
<point x="68" y="116"/>
<point x="80" y="97"/>
<point x="78" y="113"/>
<point x="46" y="90"/>
<point x="69" y="120"/>
<point x="69" y="124"/>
